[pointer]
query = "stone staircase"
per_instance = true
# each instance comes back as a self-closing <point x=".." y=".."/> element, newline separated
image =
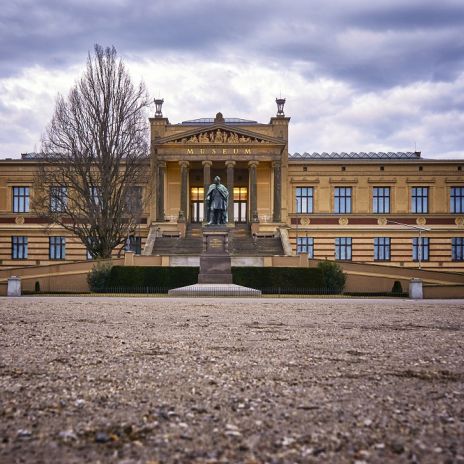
<point x="241" y="243"/>
<point x="191" y="245"/>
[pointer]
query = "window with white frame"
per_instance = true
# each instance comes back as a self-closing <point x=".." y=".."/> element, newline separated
<point x="20" y="199"/>
<point x="342" y="200"/>
<point x="57" y="247"/>
<point x="134" y="243"/>
<point x="18" y="247"/>
<point x="305" y="245"/>
<point x="381" y="200"/>
<point x="343" y="248"/>
<point x="96" y="195"/>
<point x="304" y="200"/>
<point x="420" y="253"/>
<point x="419" y="200"/>
<point x="381" y="248"/>
<point x="457" y="248"/>
<point x="457" y="200"/>
<point x="58" y="199"/>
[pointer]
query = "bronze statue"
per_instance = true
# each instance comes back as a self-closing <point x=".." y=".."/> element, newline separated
<point x="217" y="199"/>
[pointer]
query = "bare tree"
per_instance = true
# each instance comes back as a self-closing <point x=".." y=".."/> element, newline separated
<point x="94" y="156"/>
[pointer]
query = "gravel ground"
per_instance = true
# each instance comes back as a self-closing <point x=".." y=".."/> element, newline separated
<point x="129" y="380"/>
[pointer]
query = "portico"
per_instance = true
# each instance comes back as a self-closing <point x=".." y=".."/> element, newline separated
<point x="248" y="157"/>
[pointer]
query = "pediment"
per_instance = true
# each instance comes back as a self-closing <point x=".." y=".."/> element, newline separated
<point x="219" y="134"/>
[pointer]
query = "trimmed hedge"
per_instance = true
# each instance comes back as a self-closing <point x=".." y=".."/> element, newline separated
<point x="254" y="277"/>
<point x="151" y="276"/>
<point x="278" y="277"/>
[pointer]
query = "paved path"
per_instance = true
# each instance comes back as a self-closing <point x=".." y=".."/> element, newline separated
<point x="144" y="380"/>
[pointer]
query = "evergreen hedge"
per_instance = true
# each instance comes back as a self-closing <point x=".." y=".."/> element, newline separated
<point x="261" y="278"/>
<point x="151" y="276"/>
<point x="278" y="277"/>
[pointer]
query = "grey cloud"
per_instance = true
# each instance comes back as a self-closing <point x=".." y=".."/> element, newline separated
<point x="418" y="40"/>
<point x="370" y="46"/>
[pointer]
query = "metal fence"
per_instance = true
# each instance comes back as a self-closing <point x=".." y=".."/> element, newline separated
<point x="223" y="291"/>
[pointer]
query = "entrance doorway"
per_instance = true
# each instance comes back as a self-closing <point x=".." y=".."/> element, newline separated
<point x="240" y="204"/>
<point x="197" y="205"/>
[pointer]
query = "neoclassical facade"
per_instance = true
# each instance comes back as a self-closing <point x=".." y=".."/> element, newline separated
<point x="397" y="209"/>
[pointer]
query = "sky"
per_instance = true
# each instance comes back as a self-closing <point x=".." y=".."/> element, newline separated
<point x="357" y="75"/>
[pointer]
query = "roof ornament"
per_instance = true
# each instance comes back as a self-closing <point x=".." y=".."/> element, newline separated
<point x="219" y="118"/>
<point x="280" y="106"/>
<point x="158" y="104"/>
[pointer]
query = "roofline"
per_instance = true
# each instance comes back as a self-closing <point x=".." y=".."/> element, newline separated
<point x="373" y="161"/>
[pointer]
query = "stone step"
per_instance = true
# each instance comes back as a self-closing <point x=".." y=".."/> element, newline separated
<point x="241" y="243"/>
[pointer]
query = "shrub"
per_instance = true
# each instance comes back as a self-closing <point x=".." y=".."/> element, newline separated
<point x="333" y="277"/>
<point x="152" y="276"/>
<point x="397" y="288"/>
<point x="278" y="277"/>
<point x="98" y="277"/>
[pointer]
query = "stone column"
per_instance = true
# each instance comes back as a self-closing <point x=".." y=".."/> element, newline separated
<point x="277" y="191"/>
<point x="230" y="186"/>
<point x="161" y="170"/>
<point x="253" y="201"/>
<point x="206" y="184"/>
<point x="184" y="170"/>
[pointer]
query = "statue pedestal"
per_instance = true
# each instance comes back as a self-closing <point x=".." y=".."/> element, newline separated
<point x="215" y="277"/>
<point x="215" y="260"/>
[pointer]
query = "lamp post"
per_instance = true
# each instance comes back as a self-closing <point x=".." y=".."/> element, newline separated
<point x="418" y="228"/>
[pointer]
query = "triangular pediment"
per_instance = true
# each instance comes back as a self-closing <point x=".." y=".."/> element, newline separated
<point x="219" y="134"/>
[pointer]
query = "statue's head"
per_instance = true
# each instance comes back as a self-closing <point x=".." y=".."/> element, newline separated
<point x="217" y="180"/>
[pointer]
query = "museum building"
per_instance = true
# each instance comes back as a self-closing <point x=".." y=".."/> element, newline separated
<point x="395" y="209"/>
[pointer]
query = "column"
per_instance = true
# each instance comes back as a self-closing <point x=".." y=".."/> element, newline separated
<point x="277" y="191"/>
<point x="206" y="184"/>
<point x="184" y="170"/>
<point x="253" y="201"/>
<point x="160" y="173"/>
<point x="230" y="186"/>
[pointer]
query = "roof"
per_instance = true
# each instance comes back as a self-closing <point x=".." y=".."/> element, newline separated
<point x="361" y="155"/>
<point x="194" y="122"/>
<point x="29" y="156"/>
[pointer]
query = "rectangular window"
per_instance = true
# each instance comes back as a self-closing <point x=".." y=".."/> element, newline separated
<point x="342" y="203"/>
<point x="381" y="200"/>
<point x="381" y="249"/>
<point x="18" y="247"/>
<point x="423" y="250"/>
<point x="305" y="245"/>
<point x="343" y="248"/>
<point x="304" y="200"/>
<point x="134" y="244"/>
<point x="134" y="200"/>
<point x="96" y="195"/>
<point x="57" y="247"/>
<point x="88" y="254"/>
<point x="58" y="199"/>
<point x="457" y="249"/>
<point x="20" y="199"/>
<point x="457" y="200"/>
<point x="420" y="200"/>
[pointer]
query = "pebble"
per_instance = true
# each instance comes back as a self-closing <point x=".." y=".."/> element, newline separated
<point x="24" y="433"/>
<point x="102" y="437"/>
<point x="228" y="391"/>
<point x="67" y="435"/>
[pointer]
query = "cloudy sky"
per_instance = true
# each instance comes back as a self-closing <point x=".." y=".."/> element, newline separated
<point x="358" y="75"/>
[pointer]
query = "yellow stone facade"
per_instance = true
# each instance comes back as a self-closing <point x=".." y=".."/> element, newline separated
<point x="252" y="160"/>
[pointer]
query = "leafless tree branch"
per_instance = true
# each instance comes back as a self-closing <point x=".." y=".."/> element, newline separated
<point x="94" y="155"/>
